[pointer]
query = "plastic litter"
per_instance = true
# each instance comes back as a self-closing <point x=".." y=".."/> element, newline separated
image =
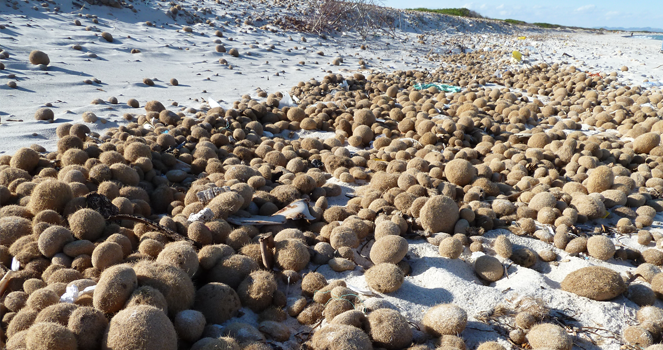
<point x="517" y="55"/>
<point x="72" y="293"/>
<point x="16" y="265"/>
<point x="212" y="103"/>
<point x="287" y="101"/>
<point x="360" y="290"/>
<point x="441" y="87"/>
<point x="204" y="215"/>
<point x="522" y="37"/>
<point x="344" y="85"/>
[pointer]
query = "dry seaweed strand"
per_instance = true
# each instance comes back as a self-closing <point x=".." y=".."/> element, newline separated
<point x="105" y="207"/>
<point x="585" y="332"/>
<point x="168" y="232"/>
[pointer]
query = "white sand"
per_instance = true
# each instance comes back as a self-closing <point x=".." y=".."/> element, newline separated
<point x="169" y="52"/>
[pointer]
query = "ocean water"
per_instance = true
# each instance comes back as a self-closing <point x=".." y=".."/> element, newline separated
<point x="651" y="36"/>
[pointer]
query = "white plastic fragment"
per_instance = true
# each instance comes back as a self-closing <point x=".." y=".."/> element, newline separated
<point x="212" y="103"/>
<point x="358" y="290"/>
<point x="207" y="195"/>
<point x="294" y="211"/>
<point x="204" y="215"/>
<point x="286" y="100"/>
<point x="16" y="265"/>
<point x="72" y="293"/>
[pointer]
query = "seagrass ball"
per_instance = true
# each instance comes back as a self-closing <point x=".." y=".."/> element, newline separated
<point x="503" y="246"/>
<point x="491" y="345"/>
<point x="218" y="302"/>
<point x="313" y="282"/>
<point x="232" y="270"/>
<point x="550" y="336"/>
<point x="638" y="336"/>
<point x="147" y="295"/>
<point x="460" y="172"/>
<point x="150" y="330"/>
<point x="600" y="247"/>
<point x="115" y="286"/>
<point x="189" y="325"/>
<point x="57" y="313"/>
<point x="51" y="194"/>
<point x="525" y="320"/>
<point x="641" y="294"/>
<point x="391" y="248"/>
<point x="341" y="337"/>
<point x="44" y="114"/>
<point x="594" y="282"/>
<point x="50" y="336"/>
<point x="181" y="255"/>
<point x="25" y="158"/>
<point x="257" y="290"/>
<point x="432" y="221"/>
<point x="291" y="254"/>
<point x="15" y="301"/>
<point x="389" y="329"/>
<point x="88" y="326"/>
<point x="311" y="314"/>
<point x="42" y="298"/>
<point x="386" y="228"/>
<point x="451" y="248"/>
<point x="175" y="285"/>
<point x="107" y="36"/>
<point x="37" y="57"/>
<point x="21" y="321"/>
<point x="444" y="319"/>
<point x="385" y="277"/>
<point x="87" y="224"/>
<point x="336" y="306"/>
<point x="488" y="268"/>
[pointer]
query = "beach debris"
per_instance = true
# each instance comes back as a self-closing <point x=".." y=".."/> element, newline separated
<point x="207" y="195"/>
<point x="440" y="87"/>
<point x="6" y="279"/>
<point x="72" y="293"/>
<point x="296" y="210"/>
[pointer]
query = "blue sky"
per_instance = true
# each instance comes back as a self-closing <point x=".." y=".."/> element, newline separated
<point x="606" y="13"/>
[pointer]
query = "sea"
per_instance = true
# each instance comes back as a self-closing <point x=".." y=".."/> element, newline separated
<point x="651" y="36"/>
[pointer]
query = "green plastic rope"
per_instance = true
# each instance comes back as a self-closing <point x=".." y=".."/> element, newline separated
<point x="441" y="87"/>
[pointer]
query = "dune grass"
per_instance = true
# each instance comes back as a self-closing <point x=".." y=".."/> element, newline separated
<point x="464" y="12"/>
<point x="514" y="21"/>
<point x="461" y="12"/>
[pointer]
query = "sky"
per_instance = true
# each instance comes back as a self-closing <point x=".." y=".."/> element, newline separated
<point x="589" y="14"/>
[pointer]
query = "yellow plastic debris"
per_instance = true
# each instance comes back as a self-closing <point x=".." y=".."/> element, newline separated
<point x="517" y="55"/>
<point x="522" y="37"/>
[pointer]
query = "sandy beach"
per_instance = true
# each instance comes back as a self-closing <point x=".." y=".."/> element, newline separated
<point x="268" y="115"/>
